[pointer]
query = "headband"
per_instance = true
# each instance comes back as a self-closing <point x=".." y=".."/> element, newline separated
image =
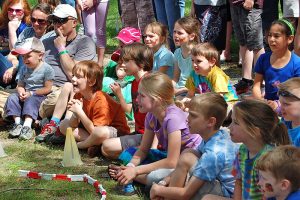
<point x="289" y="24"/>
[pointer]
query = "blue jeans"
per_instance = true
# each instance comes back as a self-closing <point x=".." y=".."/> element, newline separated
<point x="70" y="2"/>
<point x="4" y="65"/>
<point x="168" y="12"/>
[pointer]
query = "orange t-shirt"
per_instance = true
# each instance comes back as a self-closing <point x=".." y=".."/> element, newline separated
<point x="103" y="110"/>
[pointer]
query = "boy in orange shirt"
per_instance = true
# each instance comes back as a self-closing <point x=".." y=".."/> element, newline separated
<point x="95" y="116"/>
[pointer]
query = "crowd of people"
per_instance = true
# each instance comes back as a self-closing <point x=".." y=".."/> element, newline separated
<point x="165" y="78"/>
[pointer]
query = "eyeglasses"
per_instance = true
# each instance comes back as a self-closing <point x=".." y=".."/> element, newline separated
<point x="17" y="11"/>
<point x="56" y="20"/>
<point x="39" y="21"/>
<point x="284" y="93"/>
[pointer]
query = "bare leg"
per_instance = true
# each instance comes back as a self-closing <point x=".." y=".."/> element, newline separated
<point x="256" y="54"/>
<point x="65" y="95"/>
<point x="79" y="133"/>
<point x="111" y="148"/>
<point x="247" y="61"/>
<point x="96" y="138"/>
<point x="100" y="52"/>
<point x="186" y="162"/>
<point x="226" y="53"/>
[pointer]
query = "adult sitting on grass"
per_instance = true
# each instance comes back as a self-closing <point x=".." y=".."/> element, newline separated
<point x="40" y="28"/>
<point x="62" y="53"/>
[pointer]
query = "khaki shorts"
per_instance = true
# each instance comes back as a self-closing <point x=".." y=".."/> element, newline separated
<point x="3" y="97"/>
<point x="48" y="105"/>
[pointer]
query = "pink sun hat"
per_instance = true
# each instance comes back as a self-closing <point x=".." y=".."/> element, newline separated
<point x="129" y="35"/>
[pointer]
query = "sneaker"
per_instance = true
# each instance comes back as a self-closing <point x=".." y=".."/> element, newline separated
<point x="243" y="86"/>
<point x="57" y="139"/>
<point x="15" y="131"/>
<point x="26" y="133"/>
<point x="128" y="189"/>
<point x="47" y="131"/>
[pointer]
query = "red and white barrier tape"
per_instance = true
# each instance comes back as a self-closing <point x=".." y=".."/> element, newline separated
<point x="80" y="178"/>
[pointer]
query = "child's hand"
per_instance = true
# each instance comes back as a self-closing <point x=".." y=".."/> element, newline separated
<point x="24" y="95"/>
<point x="75" y="105"/>
<point x="115" y="87"/>
<point x="126" y="175"/>
<point x="248" y="4"/>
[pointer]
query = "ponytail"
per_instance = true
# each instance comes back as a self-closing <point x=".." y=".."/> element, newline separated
<point x="280" y="135"/>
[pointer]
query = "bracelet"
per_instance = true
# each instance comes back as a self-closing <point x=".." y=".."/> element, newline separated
<point x="63" y="52"/>
<point x="61" y="48"/>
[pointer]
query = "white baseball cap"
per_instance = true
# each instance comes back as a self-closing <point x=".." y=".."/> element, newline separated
<point x="28" y="45"/>
<point x="64" y="11"/>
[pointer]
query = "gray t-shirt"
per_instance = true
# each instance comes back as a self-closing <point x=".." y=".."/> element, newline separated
<point x="81" y="48"/>
<point x="34" y="79"/>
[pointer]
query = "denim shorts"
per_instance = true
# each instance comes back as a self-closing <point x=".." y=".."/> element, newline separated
<point x="247" y="26"/>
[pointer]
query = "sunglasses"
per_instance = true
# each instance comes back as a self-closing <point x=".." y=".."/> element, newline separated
<point x="17" y="11"/>
<point x="39" y="21"/>
<point x="57" y="20"/>
<point x="284" y="93"/>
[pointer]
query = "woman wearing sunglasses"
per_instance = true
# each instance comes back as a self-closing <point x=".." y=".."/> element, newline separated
<point x="14" y="18"/>
<point x="40" y="28"/>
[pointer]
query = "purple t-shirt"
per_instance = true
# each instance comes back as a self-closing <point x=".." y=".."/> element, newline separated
<point x="175" y="120"/>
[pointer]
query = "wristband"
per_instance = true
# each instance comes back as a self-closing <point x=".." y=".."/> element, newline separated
<point x="31" y="93"/>
<point x="63" y="52"/>
<point x="61" y="48"/>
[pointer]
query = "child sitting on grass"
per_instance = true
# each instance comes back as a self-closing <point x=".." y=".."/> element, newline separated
<point x="279" y="175"/>
<point x="95" y="115"/>
<point x="210" y="165"/>
<point x="256" y="125"/>
<point x="207" y="76"/>
<point x="34" y="84"/>
<point x="289" y="97"/>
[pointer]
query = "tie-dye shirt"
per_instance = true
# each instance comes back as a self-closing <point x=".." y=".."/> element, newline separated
<point x="216" y="81"/>
<point x="244" y="169"/>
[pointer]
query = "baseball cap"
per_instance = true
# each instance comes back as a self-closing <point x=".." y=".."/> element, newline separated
<point x="28" y="45"/>
<point x="64" y="11"/>
<point x="129" y="35"/>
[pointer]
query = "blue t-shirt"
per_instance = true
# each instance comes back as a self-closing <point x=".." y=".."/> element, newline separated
<point x="34" y="79"/>
<point x="164" y="57"/>
<point x="294" y="133"/>
<point x="215" y="163"/>
<point x="185" y="66"/>
<point x="273" y="76"/>
<point x="294" y="196"/>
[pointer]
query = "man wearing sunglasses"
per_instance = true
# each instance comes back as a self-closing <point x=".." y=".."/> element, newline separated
<point x="63" y="52"/>
<point x="289" y="97"/>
